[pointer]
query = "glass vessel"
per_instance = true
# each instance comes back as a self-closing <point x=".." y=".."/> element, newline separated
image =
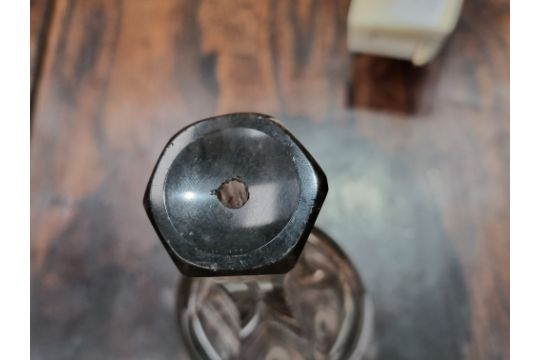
<point x="318" y="310"/>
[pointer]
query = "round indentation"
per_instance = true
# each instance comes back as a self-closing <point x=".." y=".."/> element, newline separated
<point x="232" y="193"/>
<point x="228" y="220"/>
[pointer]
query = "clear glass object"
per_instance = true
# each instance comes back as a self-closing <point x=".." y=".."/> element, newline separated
<point x="318" y="310"/>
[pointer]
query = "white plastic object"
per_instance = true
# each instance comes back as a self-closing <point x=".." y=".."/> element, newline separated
<point x="405" y="29"/>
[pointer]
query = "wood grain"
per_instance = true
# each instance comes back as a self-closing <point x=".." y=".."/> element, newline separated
<point x="417" y="160"/>
<point x="40" y="19"/>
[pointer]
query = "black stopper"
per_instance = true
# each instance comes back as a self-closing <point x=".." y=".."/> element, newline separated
<point x="234" y="194"/>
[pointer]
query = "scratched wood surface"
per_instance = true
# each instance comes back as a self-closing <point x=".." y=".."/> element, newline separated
<point x="417" y="161"/>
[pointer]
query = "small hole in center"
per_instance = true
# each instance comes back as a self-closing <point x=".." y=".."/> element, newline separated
<point x="233" y="193"/>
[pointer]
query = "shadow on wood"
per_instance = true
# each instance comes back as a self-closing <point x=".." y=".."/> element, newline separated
<point x="385" y="84"/>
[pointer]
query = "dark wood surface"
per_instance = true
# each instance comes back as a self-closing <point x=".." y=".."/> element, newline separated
<point x="417" y="161"/>
<point x="40" y="17"/>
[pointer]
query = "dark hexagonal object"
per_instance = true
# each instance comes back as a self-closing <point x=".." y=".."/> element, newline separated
<point x="235" y="195"/>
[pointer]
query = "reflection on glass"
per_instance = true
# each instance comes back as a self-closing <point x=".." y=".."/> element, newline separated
<point x="316" y="311"/>
<point x="188" y="195"/>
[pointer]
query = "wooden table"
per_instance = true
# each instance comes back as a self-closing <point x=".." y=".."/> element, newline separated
<point x="417" y="161"/>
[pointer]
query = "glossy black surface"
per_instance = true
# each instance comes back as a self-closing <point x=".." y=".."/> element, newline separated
<point x="207" y="236"/>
